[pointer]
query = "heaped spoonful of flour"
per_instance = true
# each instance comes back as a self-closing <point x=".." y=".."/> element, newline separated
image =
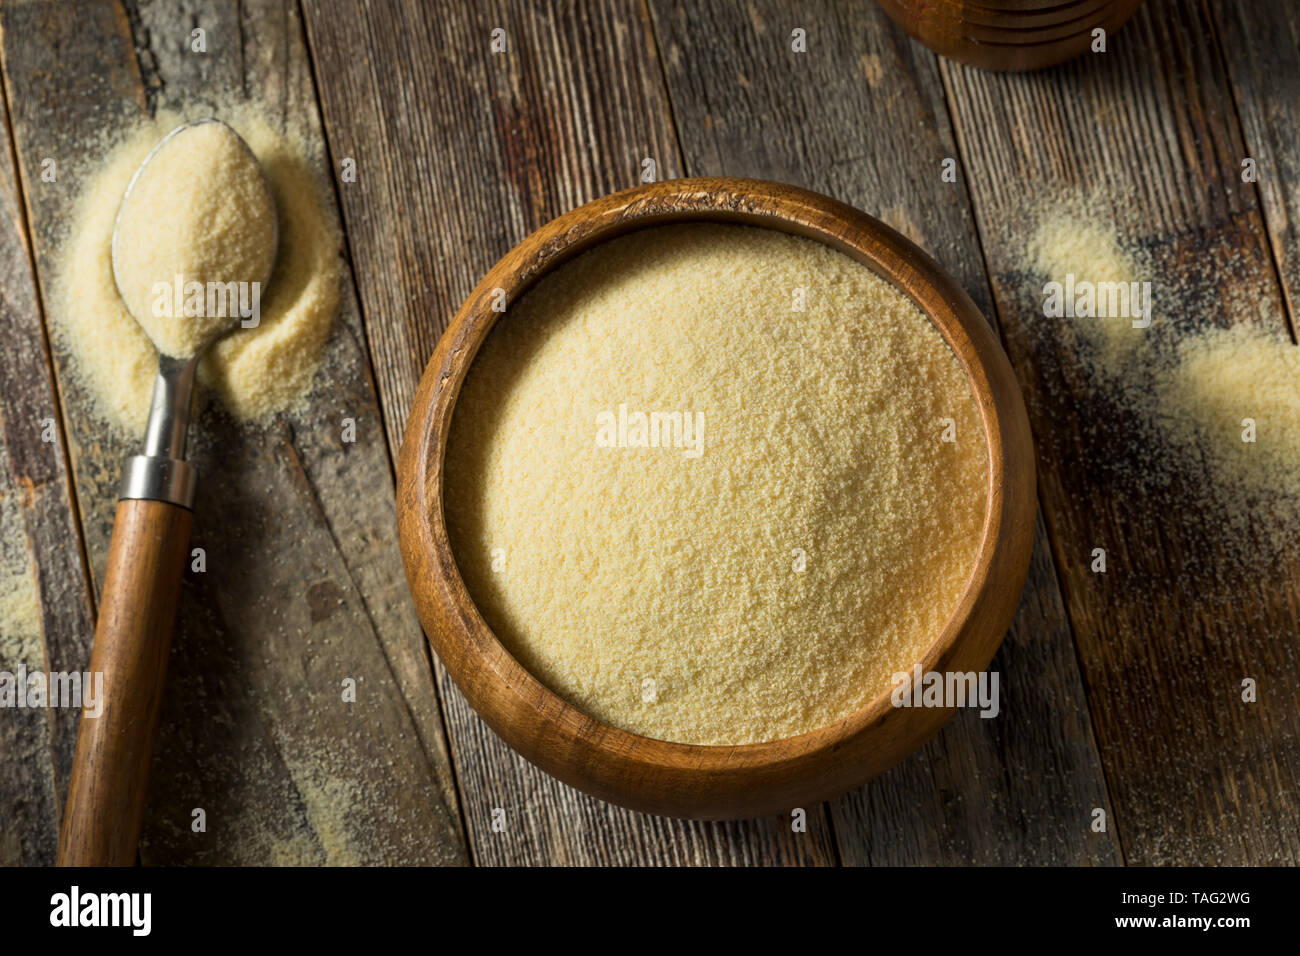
<point x="195" y="238"/>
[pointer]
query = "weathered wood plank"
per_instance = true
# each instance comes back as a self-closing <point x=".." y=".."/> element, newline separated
<point x="1149" y="134"/>
<point x="468" y="152"/>
<point x="45" y="612"/>
<point x="303" y="582"/>
<point x="1260" y="43"/>
<point x="861" y="116"/>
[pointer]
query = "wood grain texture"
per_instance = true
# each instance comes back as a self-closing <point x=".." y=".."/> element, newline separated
<point x="861" y="115"/>
<point x="303" y="584"/>
<point x="46" y="623"/>
<point x="459" y="156"/>
<point x="137" y="614"/>
<point x="1145" y="142"/>
<point x="1260" y="43"/>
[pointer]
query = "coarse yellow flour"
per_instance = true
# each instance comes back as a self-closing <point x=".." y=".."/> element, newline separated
<point x="198" y="214"/>
<point x="716" y="484"/>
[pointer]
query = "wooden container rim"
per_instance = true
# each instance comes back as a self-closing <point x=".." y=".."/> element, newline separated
<point x="440" y="592"/>
<point x="1016" y="20"/>
<point x="1008" y="38"/>
<point x="1023" y="6"/>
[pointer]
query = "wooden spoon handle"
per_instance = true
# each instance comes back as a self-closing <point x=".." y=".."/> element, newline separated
<point x="137" y="613"/>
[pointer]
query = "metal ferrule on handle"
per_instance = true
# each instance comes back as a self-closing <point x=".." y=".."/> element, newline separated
<point x="162" y="473"/>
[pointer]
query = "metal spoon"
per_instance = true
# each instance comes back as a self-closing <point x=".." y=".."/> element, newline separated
<point x="137" y="608"/>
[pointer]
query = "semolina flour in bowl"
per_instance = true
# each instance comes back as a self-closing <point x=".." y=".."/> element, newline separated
<point x="716" y="484"/>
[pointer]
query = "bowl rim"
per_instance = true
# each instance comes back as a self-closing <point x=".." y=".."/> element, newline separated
<point x="475" y="658"/>
<point x="1023" y="6"/>
<point x="1002" y="37"/>
<point x="1055" y="13"/>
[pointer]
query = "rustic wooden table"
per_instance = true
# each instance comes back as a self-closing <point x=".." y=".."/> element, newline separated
<point x="1120" y="691"/>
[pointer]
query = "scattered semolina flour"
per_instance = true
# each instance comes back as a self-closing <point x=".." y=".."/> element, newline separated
<point x="771" y="584"/>
<point x="1066" y="244"/>
<point x="1234" y="384"/>
<point x="255" y="372"/>
<point x="1194" y="387"/>
<point x="20" y="615"/>
<point x="199" y="212"/>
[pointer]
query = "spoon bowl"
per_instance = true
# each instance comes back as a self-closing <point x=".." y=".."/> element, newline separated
<point x="264" y="274"/>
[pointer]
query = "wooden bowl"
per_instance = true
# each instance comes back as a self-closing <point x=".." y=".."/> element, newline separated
<point x="685" y="780"/>
<point x="981" y="23"/>
<point x="975" y="35"/>
<point x="975" y="14"/>
<point x="1020" y="6"/>
<point x="1006" y="31"/>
